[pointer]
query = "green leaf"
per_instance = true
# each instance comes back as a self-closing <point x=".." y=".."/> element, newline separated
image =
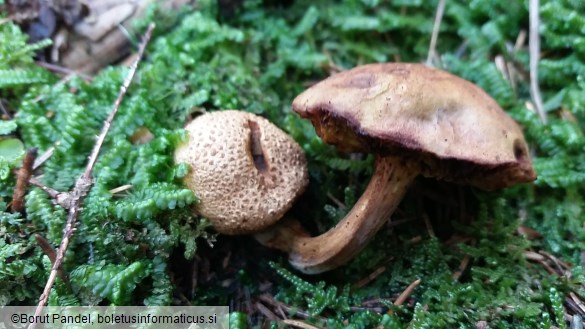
<point x="11" y="149"/>
<point x="7" y="126"/>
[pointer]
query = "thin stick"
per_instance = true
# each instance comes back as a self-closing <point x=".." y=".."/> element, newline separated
<point x="435" y="35"/>
<point x="266" y="312"/>
<point x="462" y="267"/>
<point x="122" y="188"/>
<point x="83" y="184"/>
<point x="531" y="255"/>
<point x="406" y="293"/>
<point x="51" y="253"/>
<point x="50" y="191"/>
<point x="534" y="45"/>
<point x="577" y="301"/>
<point x="562" y="266"/>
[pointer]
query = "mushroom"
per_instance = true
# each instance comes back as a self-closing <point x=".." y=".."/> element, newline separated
<point x="245" y="171"/>
<point x="418" y="121"/>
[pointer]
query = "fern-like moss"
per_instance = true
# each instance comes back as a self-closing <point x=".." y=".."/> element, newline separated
<point x="114" y="282"/>
<point x="258" y="60"/>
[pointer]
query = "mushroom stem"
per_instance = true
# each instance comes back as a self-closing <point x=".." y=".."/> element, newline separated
<point x="313" y="255"/>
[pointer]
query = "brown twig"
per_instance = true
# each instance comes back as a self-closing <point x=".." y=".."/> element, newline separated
<point x="48" y="249"/>
<point x="571" y="307"/>
<point x="534" y="45"/>
<point x="578" y="302"/>
<point x="531" y="255"/>
<point x="84" y="183"/>
<point x="561" y="266"/>
<point x="464" y="264"/>
<point x="22" y="178"/>
<point x="405" y="294"/>
<point x="61" y="198"/>
<point x="435" y="35"/>
<point x="462" y="267"/>
<point x="266" y="312"/>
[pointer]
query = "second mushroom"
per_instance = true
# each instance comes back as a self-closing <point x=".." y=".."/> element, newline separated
<point x="418" y="121"/>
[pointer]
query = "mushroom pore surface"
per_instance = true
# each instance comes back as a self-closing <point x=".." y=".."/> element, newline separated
<point x="245" y="171"/>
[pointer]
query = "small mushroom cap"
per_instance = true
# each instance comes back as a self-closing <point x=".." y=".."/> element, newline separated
<point x="245" y="171"/>
<point x="450" y="126"/>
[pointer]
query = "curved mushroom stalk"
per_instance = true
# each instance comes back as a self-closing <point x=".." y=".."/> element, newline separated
<point x="313" y="255"/>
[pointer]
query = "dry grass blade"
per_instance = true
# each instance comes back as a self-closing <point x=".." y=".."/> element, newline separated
<point x="121" y="189"/>
<point x="435" y="35"/>
<point x="462" y="267"/>
<point x="299" y="324"/>
<point x="534" y="45"/>
<point x="83" y="184"/>
<point x="571" y="307"/>
<point x="40" y="160"/>
<point x="531" y="255"/>
<point x="578" y="302"/>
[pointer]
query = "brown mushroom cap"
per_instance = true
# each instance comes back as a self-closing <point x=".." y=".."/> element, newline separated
<point x="245" y="171"/>
<point x="450" y="126"/>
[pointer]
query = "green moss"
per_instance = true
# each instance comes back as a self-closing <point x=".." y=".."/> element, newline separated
<point x="258" y="60"/>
